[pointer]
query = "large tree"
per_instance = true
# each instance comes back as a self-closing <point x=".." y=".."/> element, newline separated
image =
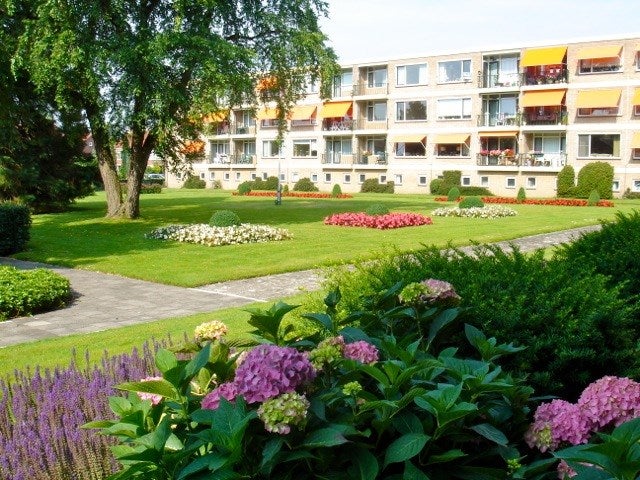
<point x="146" y="72"/>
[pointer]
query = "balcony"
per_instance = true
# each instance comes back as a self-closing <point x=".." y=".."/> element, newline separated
<point x="337" y="160"/>
<point x="530" y="160"/>
<point x="498" y="120"/>
<point x="372" y="159"/>
<point x="500" y="80"/>
<point x="242" y="160"/>
<point x="243" y="129"/>
<point x="371" y="88"/>
<point x="537" y="117"/>
<point x="337" y="125"/>
<point x="366" y="124"/>
<point x="553" y="76"/>
<point x="303" y="124"/>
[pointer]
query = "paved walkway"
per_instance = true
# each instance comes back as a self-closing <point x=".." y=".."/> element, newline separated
<point x="103" y="301"/>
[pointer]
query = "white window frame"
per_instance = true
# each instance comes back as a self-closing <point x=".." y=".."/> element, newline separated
<point x="635" y="152"/>
<point x="615" y="185"/>
<point x="283" y="177"/>
<point x="531" y="183"/>
<point x="464" y="112"/>
<point x="397" y="179"/>
<point x="238" y="176"/>
<point x="465" y="76"/>
<point x="599" y="112"/>
<point x="361" y="178"/>
<point x="212" y="175"/>
<point x="601" y="65"/>
<point x="346" y="178"/>
<point x="401" y="75"/>
<point x="465" y="181"/>
<point x="637" y="61"/>
<point x="510" y="183"/>
<point x="314" y="177"/>
<point x="636" y="110"/>
<point x="382" y="179"/>
<point x="371" y="76"/>
<point x="311" y="143"/>
<point x="402" y="108"/>
<point x="265" y="175"/>
<point x="268" y="147"/>
<point x="295" y="176"/>
<point x="327" y="177"/>
<point x="423" y="180"/>
<point x="597" y="155"/>
<point x="484" y="181"/>
<point x="254" y="175"/>
<point x="227" y="176"/>
<point x="371" y="111"/>
<point x="635" y="186"/>
<point x="202" y="175"/>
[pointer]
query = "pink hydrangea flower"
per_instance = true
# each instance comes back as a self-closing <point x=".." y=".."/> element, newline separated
<point x="228" y="390"/>
<point x="556" y="422"/>
<point x="610" y="400"/>
<point x="361" y="351"/>
<point x="154" y="398"/>
<point x="440" y="293"/>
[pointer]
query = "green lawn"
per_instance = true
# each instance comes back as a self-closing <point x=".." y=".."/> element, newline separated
<point x="83" y="238"/>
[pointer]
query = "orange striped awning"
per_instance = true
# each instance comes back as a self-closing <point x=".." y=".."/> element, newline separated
<point x="533" y="57"/>
<point x="542" y="98"/>
<point x="609" y="51"/>
<point x="599" y="98"/>
<point x="336" y="109"/>
<point x="452" y="138"/>
<point x="267" y="114"/>
<point x="510" y="133"/>
<point x="302" y="112"/>
<point x="216" y="117"/>
<point x="410" y="138"/>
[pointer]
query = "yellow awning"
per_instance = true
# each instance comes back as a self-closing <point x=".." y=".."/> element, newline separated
<point x="267" y="114"/>
<point x="542" y="98"/>
<point x="635" y="142"/>
<point x="636" y="97"/>
<point x="216" y="117"/>
<point x="543" y="56"/>
<point x="599" y="98"/>
<point x="452" y="138"/>
<point x="609" y="51"/>
<point x="410" y="138"/>
<point x="302" y="112"/>
<point x="509" y="133"/>
<point x="335" y="109"/>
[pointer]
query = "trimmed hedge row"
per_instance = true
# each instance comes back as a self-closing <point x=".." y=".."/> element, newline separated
<point x="15" y="221"/>
<point x="25" y="292"/>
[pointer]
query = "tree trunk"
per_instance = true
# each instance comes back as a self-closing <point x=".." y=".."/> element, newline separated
<point x="109" y="173"/>
<point x="141" y="147"/>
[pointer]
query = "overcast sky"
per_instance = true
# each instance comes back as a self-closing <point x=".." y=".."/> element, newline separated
<point x="362" y="30"/>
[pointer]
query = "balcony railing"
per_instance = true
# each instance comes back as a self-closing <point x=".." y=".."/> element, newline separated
<point x="371" y="88"/>
<point x="365" y="124"/>
<point x="546" y="117"/>
<point x="243" y="129"/>
<point x="304" y="123"/>
<point x="530" y="159"/>
<point x="242" y="159"/>
<point x="499" y="80"/>
<point x="557" y="76"/>
<point x="337" y="125"/>
<point x="343" y="91"/>
<point x="498" y="119"/>
<point x="364" y="158"/>
<point x="336" y="158"/>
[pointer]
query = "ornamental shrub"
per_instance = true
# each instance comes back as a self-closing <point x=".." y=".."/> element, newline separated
<point x="305" y="185"/>
<point x="566" y="182"/>
<point x="336" y="190"/>
<point x="435" y="186"/>
<point x="595" y="176"/>
<point x="271" y="183"/>
<point x="244" y="188"/>
<point x="471" y="202"/>
<point x="26" y="292"/>
<point x="474" y="191"/>
<point x="377" y="209"/>
<point x="522" y="195"/>
<point x="194" y="182"/>
<point x="147" y="188"/>
<point x="594" y="198"/>
<point x="15" y="222"/>
<point x="453" y="194"/>
<point x="258" y="184"/>
<point x="224" y="218"/>
<point x="452" y="178"/>
<point x="372" y="185"/>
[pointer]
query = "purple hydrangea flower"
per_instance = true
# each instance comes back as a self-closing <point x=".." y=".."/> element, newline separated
<point x="610" y="400"/>
<point x="556" y="422"/>
<point x="439" y="292"/>
<point x="361" y="351"/>
<point x="227" y="390"/>
<point x="154" y="398"/>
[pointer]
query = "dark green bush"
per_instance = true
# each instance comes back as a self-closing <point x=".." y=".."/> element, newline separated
<point x="193" y="181"/>
<point x="629" y="194"/>
<point x="566" y="182"/>
<point x="575" y="324"/>
<point x="594" y="198"/>
<point x="476" y="191"/>
<point x="372" y="185"/>
<point x="471" y="202"/>
<point x="151" y="188"/>
<point x="435" y="186"/>
<point x="15" y="221"/>
<point x="595" y="176"/>
<point x="271" y="183"/>
<point x="26" y="292"/>
<point x="377" y="209"/>
<point x="452" y="178"/>
<point x="258" y="184"/>
<point x="453" y="194"/>
<point x="244" y="188"/>
<point x="336" y="190"/>
<point x="224" y="218"/>
<point x="285" y="189"/>
<point x="305" y="185"/>
<point x="522" y="195"/>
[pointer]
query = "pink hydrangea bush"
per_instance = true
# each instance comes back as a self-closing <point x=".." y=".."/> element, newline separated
<point x="381" y="222"/>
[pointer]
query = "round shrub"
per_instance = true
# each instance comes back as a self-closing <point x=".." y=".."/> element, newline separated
<point x="595" y="176"/>
<point x="435" y="186"/>
<point x="305" y="185"/>
<point x="566" y="181"/>
<point x="336" y="191"/>
<point x="377" y="209"/>
<point x="594" y="198"/>
<point x="522" y="195"/>
<point x="271" y="183"/>
<point x="285" y="189"/>
<point x="244" y="188"/>
<point x="25" y="292"/>
<point x="471" y="202"/>
<point x="224" y="218"/>
<point x="453" y="194"/>
<point x="194" y="182"/>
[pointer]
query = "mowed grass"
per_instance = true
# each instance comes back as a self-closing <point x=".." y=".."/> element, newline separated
<point x="84" y="238"/>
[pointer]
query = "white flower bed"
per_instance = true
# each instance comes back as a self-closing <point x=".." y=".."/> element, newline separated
<point x="215" y="236"/>
<point x="490" y="211"/>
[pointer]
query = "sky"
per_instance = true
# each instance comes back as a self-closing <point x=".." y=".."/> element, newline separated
<point x="362" y="30"/>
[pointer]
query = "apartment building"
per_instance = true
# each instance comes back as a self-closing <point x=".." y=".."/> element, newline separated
<point x="505" y="118"/>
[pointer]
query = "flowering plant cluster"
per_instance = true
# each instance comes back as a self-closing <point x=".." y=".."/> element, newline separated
<point x="204" y="234"/>
<point x="269" y="193"/>
<point x="490" y="211"/>
<point x="382" y="222"/>
<point x="385" y="399"/>
<point x="563" y="202"/>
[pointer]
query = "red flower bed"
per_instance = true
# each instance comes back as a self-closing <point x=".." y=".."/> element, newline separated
<point x="564" y="202"/>
<point x="382" y="222"/>
<point x="265" y="193"/>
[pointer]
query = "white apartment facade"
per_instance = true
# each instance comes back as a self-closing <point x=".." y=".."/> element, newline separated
<point x="505" y="118"/>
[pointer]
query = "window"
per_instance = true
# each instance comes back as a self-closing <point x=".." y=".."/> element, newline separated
<point x="599" y="145"/>
<point x="410" y="149"/>
<point x="408" y="75"/>
<point x="452" y="150"/>
<point x="636" y="185"/>
<point x="265" y="175"/>
<point x="227" y="176"/>
<point x="361" y="178"/>
<point x="411" y="111"/>
<point x="202" y="177"/>
<point x="269" y="123"/>
<point x="283" y="177"/>
<point x="314" y="177"/>
<point x="343" y="84"/>
<point x="454" y="71"/>
<point x="295" y="176"/>
<point x="346" y="178"/>
<point x="397" y="179"/>
<point x="597" y="112"/>
<point x="484" y="181"/>
<point x="270" y="148"/>
<point x="376" y="76"/>
<point x="453" y="108"/>
<point x="238" y="176"/>
<point x="465" y="181"/>
<point x="305" y="148"/>
<point x="245" y="120"/>
<point x="219" y="152"/>
<point x="615" y="186"/>
<point x="636" y="110"/>
<point x="312" y="86"/>
<point x="212" y="175"/>
<point x="422" y="180"/>
<point x="382" y="179"/>
<point x="253" y="175"/>
<point x="636" y="153"/>
<point x="637" y="61"/>
<point x="376" y="111"/>
<point x="549" y="143"/>
<point x="531" y="182"/>
<point x="600" y="65"/>
<point x="511" y="182"/>
<point x="327" y="178"/>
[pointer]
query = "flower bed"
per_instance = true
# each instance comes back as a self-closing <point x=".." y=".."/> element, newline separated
<point x="204" y="234"/>
<point x="492" y="211"/>
<point x="382" y="222"/>
<point x="563" y="202"/>
<point x="270" y="193"/>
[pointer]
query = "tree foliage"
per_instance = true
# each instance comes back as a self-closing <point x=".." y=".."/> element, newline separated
<point x="145" y="73"/>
